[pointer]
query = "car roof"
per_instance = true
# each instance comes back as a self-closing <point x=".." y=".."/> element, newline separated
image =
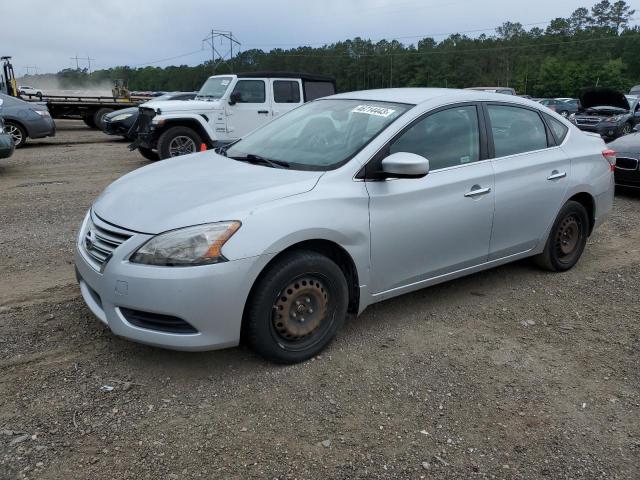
<point x="416" y="96"/>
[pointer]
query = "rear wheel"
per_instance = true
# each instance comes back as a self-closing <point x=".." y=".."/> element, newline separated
<point x="88" y="121"/>
<point x="17" y="132"/>
<point x="567" y="239"/>
<point x="177" y="141"/>
<point x="98" y="117"/>
<point x="296" y="307"/>
<point x="149" y="154"/>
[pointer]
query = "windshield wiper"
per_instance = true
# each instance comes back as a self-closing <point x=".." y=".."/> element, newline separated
<point x="258" y="160"/>
<point x="222" y="150"/>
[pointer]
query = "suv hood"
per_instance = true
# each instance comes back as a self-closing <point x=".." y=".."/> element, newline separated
<point x="195" y="189"/>
<point x="166" y="106"/>
<point x="603" y="97"/>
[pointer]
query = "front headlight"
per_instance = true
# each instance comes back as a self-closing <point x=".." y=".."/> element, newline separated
<point x="122" y="116"/>
<point x="43" y="113"/>
<point x="614" y="118"/>
<point x="199" y="245"/>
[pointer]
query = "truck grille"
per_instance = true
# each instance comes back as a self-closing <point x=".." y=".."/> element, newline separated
<point x="624" y="163"/>
<point x="101" y="240"/>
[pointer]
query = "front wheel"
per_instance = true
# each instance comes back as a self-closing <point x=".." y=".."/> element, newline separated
<point x="564" y="113"/>
<point x="296" y="307"/>
<point x="177" y="141"/>
<point x="626" y="129"/>
<point x="18" y="133"/>
<point x="567" y="239"/>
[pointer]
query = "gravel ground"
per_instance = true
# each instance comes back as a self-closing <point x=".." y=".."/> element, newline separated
<point x="510" y="373"/>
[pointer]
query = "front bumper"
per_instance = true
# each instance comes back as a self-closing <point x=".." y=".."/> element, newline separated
<point x="116" y="128"/>
<point x="210" y="298"/>
<point x="604" y="129"/>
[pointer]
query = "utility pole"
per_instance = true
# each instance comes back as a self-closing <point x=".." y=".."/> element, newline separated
<point x="76" y="58"/>
<point x="223" y="37"/>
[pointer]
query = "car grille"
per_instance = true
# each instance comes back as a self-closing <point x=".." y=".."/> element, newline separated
<point x="587" y="120"/>
<point x="624" y="163"/>
<point x="101" y="240"/>
<point x="144" y="119"/>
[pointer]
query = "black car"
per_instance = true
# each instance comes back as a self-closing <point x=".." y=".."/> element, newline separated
<point x="121" y="121"/>
<point x="627" y="150"/>
<point x="607" y="112"/>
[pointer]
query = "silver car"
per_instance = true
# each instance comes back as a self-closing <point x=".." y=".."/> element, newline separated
<point x="344" y="202"/>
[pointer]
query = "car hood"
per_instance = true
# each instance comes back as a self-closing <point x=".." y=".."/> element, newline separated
<point x="603" y="97"/>
<point x="167" y="106"/>
<point x="194" y="189"/>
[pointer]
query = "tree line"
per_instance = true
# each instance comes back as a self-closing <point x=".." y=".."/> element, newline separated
<point x="597" y="46"/>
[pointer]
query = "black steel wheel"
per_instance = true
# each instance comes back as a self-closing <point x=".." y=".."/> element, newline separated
<point x="296" y="307"/>
<point x="567" y="238"/>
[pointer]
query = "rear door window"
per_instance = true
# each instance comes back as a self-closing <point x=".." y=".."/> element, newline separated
<point x="516" y="130"/>
<point x="446" y="138"/>
<point x="558" y="128"/>
<point x="286" y="91"/>
<point x="314" y="90"/>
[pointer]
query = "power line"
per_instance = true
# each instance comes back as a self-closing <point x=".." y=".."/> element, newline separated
<point x="222" y="36"/>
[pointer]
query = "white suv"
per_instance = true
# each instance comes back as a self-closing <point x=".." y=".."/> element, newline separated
<point x="226" y="108"/>
<point x="27" y="90"/>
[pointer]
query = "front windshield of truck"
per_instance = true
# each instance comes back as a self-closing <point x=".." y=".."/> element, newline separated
<point x="214" y="88"/>
<point x="320" y="135"/>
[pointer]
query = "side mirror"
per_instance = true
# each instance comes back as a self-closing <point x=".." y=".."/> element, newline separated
<point x="405" y="165"/>
<point x="234" y="98"/>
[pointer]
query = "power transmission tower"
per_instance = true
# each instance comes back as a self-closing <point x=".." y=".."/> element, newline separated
<point x="29" y="68"/>
<point x="223" y="38"/>
<point x="89" y="64"/>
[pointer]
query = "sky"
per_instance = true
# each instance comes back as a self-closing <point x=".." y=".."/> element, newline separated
<point x="147" y="32"/>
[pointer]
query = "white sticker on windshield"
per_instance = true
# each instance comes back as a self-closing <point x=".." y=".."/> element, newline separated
<point x="225" y="82"/>
<point x="373" y="110"/>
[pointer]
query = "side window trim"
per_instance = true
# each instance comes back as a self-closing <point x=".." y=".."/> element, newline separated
<point x="551" y="141"/>
<point x="371" y="170"/>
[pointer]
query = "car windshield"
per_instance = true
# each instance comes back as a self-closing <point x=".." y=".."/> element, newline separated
<point x="319" y="135"/>
<point x="214" y="88"/>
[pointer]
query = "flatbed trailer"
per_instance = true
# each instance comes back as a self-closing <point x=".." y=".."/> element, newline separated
<point x="91" y="109"/>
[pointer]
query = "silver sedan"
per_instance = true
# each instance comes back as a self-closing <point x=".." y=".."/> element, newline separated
<point x="344" y="202"/>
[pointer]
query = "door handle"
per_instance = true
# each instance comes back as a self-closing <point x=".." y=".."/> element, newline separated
<point x="555" y="175"/>
<point x="477" y="190"/>
<point x="263" y="111"/>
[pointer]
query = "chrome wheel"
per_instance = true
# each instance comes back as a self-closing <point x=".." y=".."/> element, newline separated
<point x="564" y="114"/>
<point x="181" y="145"/>
<point x="15" y="133"/>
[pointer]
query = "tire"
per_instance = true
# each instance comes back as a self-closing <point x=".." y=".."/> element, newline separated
<point x="274" y="325"/>
<point x="98" y="117"/>
<point x="88" y="121"/>
<point x="564" y="113"/>
<point x="17" y="132"/>
<point x="567" y="239"/>
<point x="627" y="128"/>
<point x="149" y="154"/>
<point x="39" y="95"/>
<point x="177" y="141"/>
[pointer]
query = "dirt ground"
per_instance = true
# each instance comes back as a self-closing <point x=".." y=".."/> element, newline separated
<point x="510" y="373"/>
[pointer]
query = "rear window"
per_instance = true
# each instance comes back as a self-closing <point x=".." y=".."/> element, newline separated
<point x="314" y="90"/>
<point x="559" y="129"/>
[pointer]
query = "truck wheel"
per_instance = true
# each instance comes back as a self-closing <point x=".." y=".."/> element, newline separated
<point x="177" y="141"/>
<point x="88" y="121"/>
<point x="98" y="117"/>
<point x="567" y="239"/>
<point x="17" y="132"/>
<point x="149" y="154"/>
<point x="296" y="307"/>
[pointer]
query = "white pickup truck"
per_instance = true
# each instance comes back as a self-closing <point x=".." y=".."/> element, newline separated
<point x="226" y="108"/>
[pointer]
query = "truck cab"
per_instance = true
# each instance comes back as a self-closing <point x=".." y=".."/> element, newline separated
<point x="226" y="108"/>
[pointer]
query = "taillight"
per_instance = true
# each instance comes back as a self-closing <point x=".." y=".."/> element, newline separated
<point x="610" y="156"/>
